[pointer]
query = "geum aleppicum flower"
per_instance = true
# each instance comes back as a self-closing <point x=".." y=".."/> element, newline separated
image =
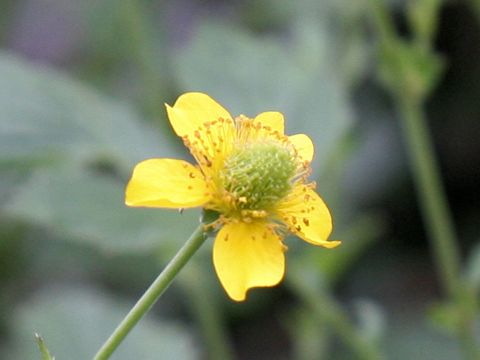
<point x="252" y="175"/>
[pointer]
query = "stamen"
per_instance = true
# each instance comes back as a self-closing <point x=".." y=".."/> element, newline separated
<point x="249" y="167"/>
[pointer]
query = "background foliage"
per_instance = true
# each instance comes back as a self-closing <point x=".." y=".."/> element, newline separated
<point x="82" y="87"/>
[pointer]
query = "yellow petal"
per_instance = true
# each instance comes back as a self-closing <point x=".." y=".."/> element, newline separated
<point x="248" y="255"/>
<point x="167" y="183"/>
<point x="206" y="127"/>
<point x="192" y="110"/>
<point x="307" y="216"/>
<point x="304" y="146"/>
<point x="273" y="120"/>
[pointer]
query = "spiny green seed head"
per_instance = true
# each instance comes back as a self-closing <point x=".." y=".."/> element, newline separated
<point x="259" y="175"/>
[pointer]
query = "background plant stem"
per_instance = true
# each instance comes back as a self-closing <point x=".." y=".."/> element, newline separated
<point x="143" y="42"/>
<point x="433" y="202"/>
<point x="430" y="192"/>
<point x="437" y="217"/>
<point x="152" y="294"/>
<point x="203" y="307"/>
<point x="331" y="313"/>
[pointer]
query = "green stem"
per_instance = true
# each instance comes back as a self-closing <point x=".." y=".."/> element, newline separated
<point x="383" y="20"/>
<point x="437" y="217"/>
<point x="431" y="194"/>
<point x="327" y="308"/>
<point x="328" y="311"/>
<point x="430" y="191"/>
<point x="143" y="45"/>
<point x="152" y="294"/>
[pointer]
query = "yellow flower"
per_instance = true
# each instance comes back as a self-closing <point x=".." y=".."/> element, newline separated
<point x="249" y="172"/>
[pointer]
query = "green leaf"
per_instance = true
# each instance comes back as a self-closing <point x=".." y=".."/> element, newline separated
<point x="423" y="16"/>
<point x="445" y="316"/>
<point x="90" y="208"/>
<point x="47" y="117"/>
<point x="76" y="321"/>
<point x="408" y="68"/>
<point x="249" y="75"/>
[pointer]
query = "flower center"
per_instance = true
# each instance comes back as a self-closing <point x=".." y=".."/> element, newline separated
<point x="258" y="175"/>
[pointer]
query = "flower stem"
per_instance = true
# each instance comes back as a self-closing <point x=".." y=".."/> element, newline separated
<point x="152" y="294"/>
<point x="436" y="213"/>
<point x="327" y="308"/>
<point x="430" y="191"/>
<point x="329" y="312"/>
<point x="437" y="218"/>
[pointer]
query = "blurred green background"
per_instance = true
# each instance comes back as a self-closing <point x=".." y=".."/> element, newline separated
<point x="82" y="88"/>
